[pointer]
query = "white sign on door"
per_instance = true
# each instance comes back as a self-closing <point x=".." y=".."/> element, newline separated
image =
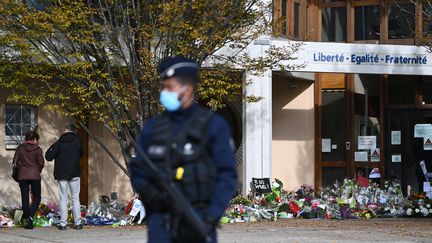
<point x="395" y="137"/>
<point x="396" y="158"/>
<point x="366" y="142"/>
<point x="326" y="145"/>
<point x="361" y="156"/>
<point x="422" y="130"/>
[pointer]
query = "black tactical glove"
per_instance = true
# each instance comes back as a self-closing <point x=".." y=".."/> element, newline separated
<point x="152" y="197"/>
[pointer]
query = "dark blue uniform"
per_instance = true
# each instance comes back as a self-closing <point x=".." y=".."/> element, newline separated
<point x="218" y="143"/>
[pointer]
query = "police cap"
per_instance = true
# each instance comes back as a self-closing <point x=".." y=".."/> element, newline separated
<point x="177" y="66"/>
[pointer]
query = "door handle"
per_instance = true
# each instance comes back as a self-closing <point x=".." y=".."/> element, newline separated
<point x="347" y="145"/>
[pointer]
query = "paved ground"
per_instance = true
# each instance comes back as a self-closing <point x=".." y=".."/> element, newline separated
<point x="291" y="230"/>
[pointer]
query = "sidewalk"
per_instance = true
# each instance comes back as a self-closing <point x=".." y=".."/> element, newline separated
<point x="292" y="230"/>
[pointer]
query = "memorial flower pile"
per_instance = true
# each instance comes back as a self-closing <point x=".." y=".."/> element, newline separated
<point x="346" y="200"/>
<point x="102" y="212"/>
<point x="418" y="206"/>
<point x="46" y="215"/>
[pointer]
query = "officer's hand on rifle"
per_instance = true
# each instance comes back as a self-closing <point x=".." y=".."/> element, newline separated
<point x="153" y="198"/>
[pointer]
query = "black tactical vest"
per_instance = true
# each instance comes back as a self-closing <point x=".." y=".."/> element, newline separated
<point x="184" y="156"/>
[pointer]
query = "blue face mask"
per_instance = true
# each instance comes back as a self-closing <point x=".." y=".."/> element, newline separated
<point x="170" y="99"/>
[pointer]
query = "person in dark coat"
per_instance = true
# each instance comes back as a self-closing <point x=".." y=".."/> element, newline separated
<point x="67" y="152"/>
<point x="30" y="159"/>
<point x="195" y="146"/>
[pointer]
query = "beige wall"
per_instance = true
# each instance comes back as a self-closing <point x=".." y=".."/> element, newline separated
<point x="104" y="176"/>
<point x="293" y="131"/>
<point x="51" y="125"/>
<point x="9" y="190"/>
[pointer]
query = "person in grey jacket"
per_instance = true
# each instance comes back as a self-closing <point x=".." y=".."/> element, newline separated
<point x="67" y="152"/>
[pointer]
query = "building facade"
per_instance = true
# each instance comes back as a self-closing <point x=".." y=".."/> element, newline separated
<point x="355" y="105"/>
<point x="333" y="118"/>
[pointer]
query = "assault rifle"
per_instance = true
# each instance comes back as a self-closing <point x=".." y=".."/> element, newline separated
<point x="180" y="205"/>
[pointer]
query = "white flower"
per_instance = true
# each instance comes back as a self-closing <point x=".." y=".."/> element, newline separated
<point x="430" y="210"/>
<point x="417" y="210"/>
<point x="409" y="211"/>
<point x="425" y="212"/>
<point x="428" y="205"/>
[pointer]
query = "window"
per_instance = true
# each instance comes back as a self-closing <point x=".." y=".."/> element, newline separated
<point x="367" y="114"/>
<point x="19" y="120"/>
<point x="296" y="20"/>
<point x="402" y="89"/>
<point x="401" y="21"/>
<point x="334" y="24"/>
<point x="427" y="17"/>
<point x="367" y="22"/>
<point x="334" y="123"/>
<point x="284" y="18"/>
<point x="426" y="90"/>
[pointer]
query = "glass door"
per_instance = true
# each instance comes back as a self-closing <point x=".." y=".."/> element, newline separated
<point x="368" y="156"/>
<point x="333" y="120"/>
<point x="406" y="148"/>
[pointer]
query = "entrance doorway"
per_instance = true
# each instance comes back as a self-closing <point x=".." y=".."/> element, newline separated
<point x="404" y="150"/>
<point x="349" y="125"/>
<point x="358" y="116"/>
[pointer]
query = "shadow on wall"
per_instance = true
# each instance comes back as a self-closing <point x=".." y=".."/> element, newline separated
<point x="288" y="107"/>
<point x="115" y="180"/>
<point x="104" y="176"/>
<point x="293" y="131"/>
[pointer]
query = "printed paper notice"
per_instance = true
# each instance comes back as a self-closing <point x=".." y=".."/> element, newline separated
<point x="375" y="155"/>
<point x="366" y="142"/>
<point x="361" y="156"/>
<point x="326" y="145"/>
<point x="396" y="158"/>
<point x="427" y="143"/>
<point x="422" y="130"/>
<point x="395" y="137"/>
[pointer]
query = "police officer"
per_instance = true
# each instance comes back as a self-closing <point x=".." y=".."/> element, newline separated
<point x="192" y="144"/>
